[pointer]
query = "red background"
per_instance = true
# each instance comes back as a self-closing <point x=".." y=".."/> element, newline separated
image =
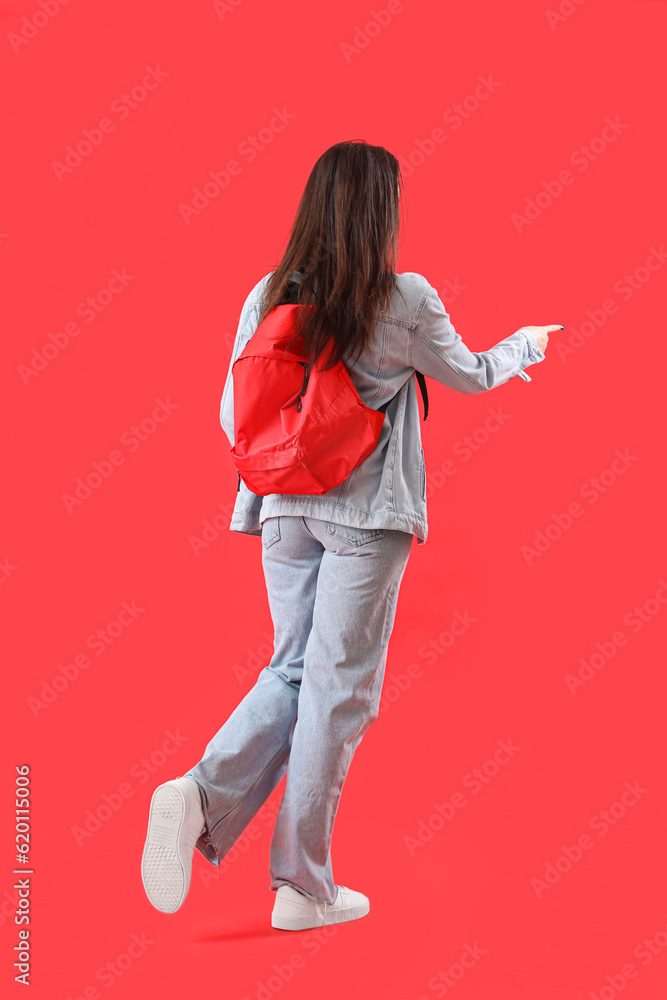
<point x="168" y="335"/>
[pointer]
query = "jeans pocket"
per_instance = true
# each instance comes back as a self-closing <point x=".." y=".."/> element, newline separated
<point x="270" y="531"/>
<point x="353" y="536"/>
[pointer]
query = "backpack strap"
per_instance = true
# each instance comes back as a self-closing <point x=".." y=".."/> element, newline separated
<point x="295" y="280"/>
<point x="424" y="391"/>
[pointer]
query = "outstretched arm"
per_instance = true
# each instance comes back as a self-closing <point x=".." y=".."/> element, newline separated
<point x="436" y="350"/>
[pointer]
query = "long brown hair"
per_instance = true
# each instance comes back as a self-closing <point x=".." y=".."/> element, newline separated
<point x="344" y="241"/>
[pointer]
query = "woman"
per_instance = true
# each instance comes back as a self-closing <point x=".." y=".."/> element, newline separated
<point x="333" y="563"/>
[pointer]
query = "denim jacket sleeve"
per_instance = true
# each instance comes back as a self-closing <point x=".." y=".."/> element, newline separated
<point x="436" y="350"/>
<point x="246" y="328"/>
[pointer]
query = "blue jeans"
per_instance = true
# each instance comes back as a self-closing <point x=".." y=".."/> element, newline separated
<point x="332" y="593"/>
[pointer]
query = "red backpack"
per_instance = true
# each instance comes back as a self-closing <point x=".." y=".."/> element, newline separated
<point x="297" y="429"/>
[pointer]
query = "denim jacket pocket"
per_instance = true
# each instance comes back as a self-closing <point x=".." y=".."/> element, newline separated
<point x="270" y="531"/>
<point x="422" y="475"/>
<point x="353" y="536"/>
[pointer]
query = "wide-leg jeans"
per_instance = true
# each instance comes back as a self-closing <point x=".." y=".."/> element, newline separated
<point x="332" y="592"/>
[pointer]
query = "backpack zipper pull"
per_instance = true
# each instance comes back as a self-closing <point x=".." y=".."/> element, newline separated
<point x="303" y="387"/>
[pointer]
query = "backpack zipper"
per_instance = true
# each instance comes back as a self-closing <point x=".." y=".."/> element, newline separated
<point x="304" y="386"/>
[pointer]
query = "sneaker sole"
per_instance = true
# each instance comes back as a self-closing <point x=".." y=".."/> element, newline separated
<point x="162" y="870"/>
<point x="308" y="920"/>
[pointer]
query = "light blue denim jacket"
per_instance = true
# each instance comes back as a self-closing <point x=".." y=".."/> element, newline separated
<point x="388" y="489"/>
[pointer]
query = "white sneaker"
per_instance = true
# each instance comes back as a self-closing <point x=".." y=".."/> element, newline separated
<point x="293" y="911"/>
<point x="175" y="821"/>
